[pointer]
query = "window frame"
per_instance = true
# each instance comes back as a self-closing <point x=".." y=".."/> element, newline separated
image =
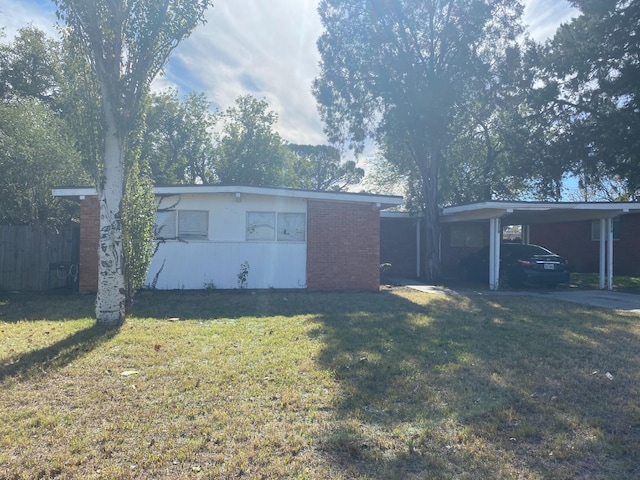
<point x="175" y="222"/>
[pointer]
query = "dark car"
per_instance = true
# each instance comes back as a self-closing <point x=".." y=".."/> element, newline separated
<point x="520" y="264"/>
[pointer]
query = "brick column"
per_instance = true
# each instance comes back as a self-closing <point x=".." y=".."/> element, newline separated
<point x="343" y="246"/>
<point x="89" y="239"/>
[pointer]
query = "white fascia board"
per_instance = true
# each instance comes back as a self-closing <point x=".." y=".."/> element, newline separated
<point x="496" y="209"/>
<point x="384" y="201"/>
<point x="400" y="215"/>
<point x="74" y="192"/>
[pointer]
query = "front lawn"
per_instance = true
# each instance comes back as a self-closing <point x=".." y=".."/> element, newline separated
<point x="397" y="384"/>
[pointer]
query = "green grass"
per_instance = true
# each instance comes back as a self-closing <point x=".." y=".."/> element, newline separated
<point x="396" y="384"/>
<point x="592" y="281"/>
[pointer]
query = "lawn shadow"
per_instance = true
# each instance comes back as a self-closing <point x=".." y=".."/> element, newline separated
<point x="57" y="355"/>
<point x="477" y="387"/>
<point x="35" y="306"/>
<point x="211" y="305"/>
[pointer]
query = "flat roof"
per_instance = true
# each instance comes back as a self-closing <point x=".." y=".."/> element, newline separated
<point x="528" y="213"/>
<point x="381" y="201"/>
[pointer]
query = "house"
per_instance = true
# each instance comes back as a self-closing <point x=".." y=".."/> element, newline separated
<point x="219" y="236"/>
<point x="597" y="237"/>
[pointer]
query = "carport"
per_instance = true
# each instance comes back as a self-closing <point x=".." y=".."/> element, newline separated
<point x="499" y="214"/>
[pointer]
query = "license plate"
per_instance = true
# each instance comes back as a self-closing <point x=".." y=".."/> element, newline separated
<point x="548" y="266"/>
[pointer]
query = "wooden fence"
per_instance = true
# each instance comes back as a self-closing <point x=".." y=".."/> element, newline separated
<point x="38" y="258"/>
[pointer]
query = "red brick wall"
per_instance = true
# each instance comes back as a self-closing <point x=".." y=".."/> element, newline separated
<point x="573" y="241"/>
<point x="343" y="246"/>
<point x="89" y="239"/>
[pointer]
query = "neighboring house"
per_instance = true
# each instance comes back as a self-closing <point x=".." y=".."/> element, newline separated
<point x="570" y="229"/>
<point x="214" y="236"/>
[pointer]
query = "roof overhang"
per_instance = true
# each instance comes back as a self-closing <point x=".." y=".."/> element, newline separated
<point x="380" y="201"/>
<point x="529" y="213"/>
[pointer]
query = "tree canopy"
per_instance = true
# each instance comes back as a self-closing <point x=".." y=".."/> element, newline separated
<point x="248" y="149"/>
<point x="320" y="167"/>
<point x="591" y="84"/>
<point x="177" y="139"/>
<point x="36" y="154"/>
<point x="29" y="66"/>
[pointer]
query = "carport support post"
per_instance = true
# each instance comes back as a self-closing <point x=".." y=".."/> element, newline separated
<point x="495" y="237"/>
<point x="603" y="251"/>
<point x="606" y="252"/>
<point x="609" y="253"/>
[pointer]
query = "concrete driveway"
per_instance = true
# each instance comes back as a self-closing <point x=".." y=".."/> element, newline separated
<point x="598" y="298"/>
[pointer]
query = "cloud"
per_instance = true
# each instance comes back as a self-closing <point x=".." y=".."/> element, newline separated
<point x="17" y="14"/>
<point x="263" y="48"/>
<point x="544" y="16"/>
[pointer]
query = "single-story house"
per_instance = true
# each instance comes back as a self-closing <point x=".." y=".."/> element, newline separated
<point x="601" y="237"/>
<point x="220" y="236"/>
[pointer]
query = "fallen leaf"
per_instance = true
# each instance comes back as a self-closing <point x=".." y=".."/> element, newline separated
<point x="156" y="347"/>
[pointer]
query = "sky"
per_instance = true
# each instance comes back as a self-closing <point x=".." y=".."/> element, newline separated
<point x="266" y="48"/>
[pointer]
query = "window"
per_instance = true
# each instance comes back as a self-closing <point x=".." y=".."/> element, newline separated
<point x="166" y="225"/>
<point x="595" y="230"/>
<point x="183" y="224"/>
<point x="290" y="227"/>
<point x="261" y="226"/>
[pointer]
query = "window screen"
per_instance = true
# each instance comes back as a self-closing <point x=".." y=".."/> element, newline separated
<point x="166" y="225"/>
<point x="193" y="224"/>
<point x="261" y="226"/>
<point x="186" y="224"/>
<point x="292" y="227"/>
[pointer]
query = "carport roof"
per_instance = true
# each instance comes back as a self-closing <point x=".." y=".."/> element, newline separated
<point x="528" y="213"/>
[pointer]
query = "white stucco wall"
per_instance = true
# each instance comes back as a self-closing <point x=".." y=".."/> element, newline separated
<point x="216" y="262"/>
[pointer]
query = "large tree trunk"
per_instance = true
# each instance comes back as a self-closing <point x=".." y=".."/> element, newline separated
<point x="430" y="171"/>
<point x="110" y="301"/>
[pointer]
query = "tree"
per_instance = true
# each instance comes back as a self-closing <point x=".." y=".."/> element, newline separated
<point x="177" y="140"/>
<point x="127" y="43"/>
<point x="28" y="66"/>
<point x="248" y="150"/>
<point x="36" y="154"/>
<point x="591" y="89"/>
<point x="320" y="167"/>
<point x="138" y="226"/>
<point x="399" y="71"/>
